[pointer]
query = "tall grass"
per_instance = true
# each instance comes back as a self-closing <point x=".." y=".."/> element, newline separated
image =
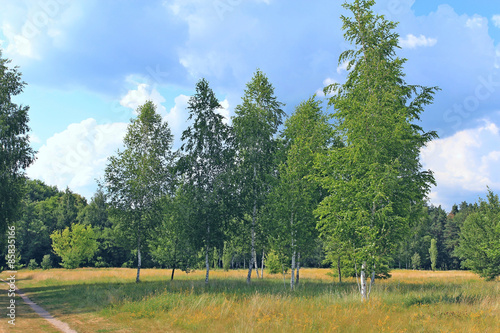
<point x="411" y="301"/>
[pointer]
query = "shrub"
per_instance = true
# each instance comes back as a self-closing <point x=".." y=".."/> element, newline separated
<point x="415" y="261"/>
<point x="32" y="264"/>
<point x="46" y="262"/>
<point x="75" y="245"/>
<point x="275" y="263"/>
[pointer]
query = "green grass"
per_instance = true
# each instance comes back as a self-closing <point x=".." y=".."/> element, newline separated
<point x="107" y="300"/>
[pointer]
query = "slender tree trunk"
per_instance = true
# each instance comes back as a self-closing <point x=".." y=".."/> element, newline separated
<point x="339" y="270"/>
<point x="292" y="278"/>
<point x="207" y="263"/>
<point x="262" y="266"/>
<point x="138" y="258"/>
<point x="363" y="282"/>
<point x="252" y="255"/>
<point x="175" y="260"/>
<point x="298" y="269"/>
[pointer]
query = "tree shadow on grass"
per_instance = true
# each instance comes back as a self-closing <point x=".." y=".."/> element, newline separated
<point x="93" y="297"/>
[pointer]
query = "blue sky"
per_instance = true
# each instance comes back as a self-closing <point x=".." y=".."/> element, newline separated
<point x="89" y="64"/>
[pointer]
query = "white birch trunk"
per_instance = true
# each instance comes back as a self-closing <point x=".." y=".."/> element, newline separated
<point x="250" y="266"/>
<point x="207" y="264"/>
<point x="138" y="258"/>
<point x="363" y="282"/>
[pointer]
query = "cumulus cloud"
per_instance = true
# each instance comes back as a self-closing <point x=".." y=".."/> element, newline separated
<point x="224" y="111"/>
<point x="326" y="82"/>
<point x="467" y="161"/>
<point x="177" y="118"/>
<point x="17" y="44"/>
<point x="77" y="156"/>
<point x="496" y="20"/>
<point x="475" y="22"/>
<point x="136" y="97"/>
<point x="29" y="26"/>
<point x="411" y="41"/>
<point x="342" y="67"/>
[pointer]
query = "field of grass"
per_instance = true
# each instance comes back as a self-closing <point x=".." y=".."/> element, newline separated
<point x="108" y="300"/>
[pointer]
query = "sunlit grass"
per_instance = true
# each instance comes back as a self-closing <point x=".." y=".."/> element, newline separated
<point x="93" y="300"/>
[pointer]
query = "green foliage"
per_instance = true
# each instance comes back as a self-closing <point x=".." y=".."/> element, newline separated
<point x="15" y="151"/>
<point x="32" y="264"/>
<point x="205" y="168"/>
<point x="433" y="251"/>
<point x="292" y="201"/>
<point x="139" y="176"/>
<point x="479" y="246"/>
<point x="255" y="125"/>
<point x="74" y="245"/>
<point x="14" y="260"/>
<point x="276" y="263"/>
<point x="46" y="262"/>
<point x="173" y="245"/>
<point x="415" y="261"/>
<point x="227" y="256"/>
<point x="375" y="183"/>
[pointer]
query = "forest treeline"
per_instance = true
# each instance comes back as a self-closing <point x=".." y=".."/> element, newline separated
<point x="45" y="209"/>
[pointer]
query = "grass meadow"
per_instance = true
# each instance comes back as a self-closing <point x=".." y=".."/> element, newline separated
<point x="108" y="300"/>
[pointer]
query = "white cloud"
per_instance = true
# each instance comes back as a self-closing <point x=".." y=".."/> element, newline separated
<point x="33" y="27"/>
<point x="143" y="93"/>
<point x="496" y="20"/>
<point x="34" y="138"/>
<point x="476" y="22"/>
<point x="342" y="67"/>
<point x="177" y="118"/>
<point x="17" y="44"/>
<point x="78" y="155"/>
<point x="225" y="112"/>
<point x="412" y="41"/>
<point x="467" y="161"/>
<point x="326" y="82"/>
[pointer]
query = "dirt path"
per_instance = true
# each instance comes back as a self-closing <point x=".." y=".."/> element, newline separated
<point x="62" y="326"/>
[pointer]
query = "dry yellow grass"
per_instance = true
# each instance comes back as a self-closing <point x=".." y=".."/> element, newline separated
<point x="107" y="300"/>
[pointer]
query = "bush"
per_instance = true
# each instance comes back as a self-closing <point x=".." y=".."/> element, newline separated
<point x="415" y="261"/>
<point x="46" y="262"/>
<point x="32" y="264"/>
<point x="74" y="245"/>
<point x="275" y="263"/>
<point x="479" y="246"/>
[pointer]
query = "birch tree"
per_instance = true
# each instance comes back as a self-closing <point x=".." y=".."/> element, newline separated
<point x="375" y="182"/>
<point x="255" y="126"/>
<point x="306" y="133"/>
<point x="15" y="151"/>
<point x="479" y="245"/>
<point x="206" y="159"/>
<point x="139" y="176"/>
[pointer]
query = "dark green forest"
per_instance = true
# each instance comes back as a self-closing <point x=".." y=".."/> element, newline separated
<point x="46" y="209"/>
